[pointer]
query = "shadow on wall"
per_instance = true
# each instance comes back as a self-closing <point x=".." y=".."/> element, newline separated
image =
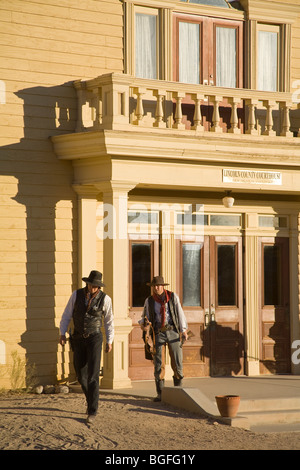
<point x="45" y="192"/>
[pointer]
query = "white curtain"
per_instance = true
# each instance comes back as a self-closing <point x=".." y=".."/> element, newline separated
<point x="145" y="46"/>
<point x="267" y="60"/>
<point x="189" y="52"/>
<point x="226" y="57"/>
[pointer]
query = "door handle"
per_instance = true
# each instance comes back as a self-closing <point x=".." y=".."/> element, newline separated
<point x="206" y="317"/>
<point x="209" y="315"/>
<point x="212" y="312"/>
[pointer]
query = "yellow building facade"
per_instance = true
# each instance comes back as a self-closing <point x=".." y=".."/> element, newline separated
<point x="142" y="138"/>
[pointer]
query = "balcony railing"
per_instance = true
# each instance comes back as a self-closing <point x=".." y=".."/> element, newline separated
<point x="123" y="102"/>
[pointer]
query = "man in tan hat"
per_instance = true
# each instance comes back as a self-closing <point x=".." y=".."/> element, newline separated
<point x="88" y="307"/>
<point x="163" y="310"/>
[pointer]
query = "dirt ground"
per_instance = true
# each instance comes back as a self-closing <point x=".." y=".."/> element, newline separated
<point x="57" y="422"/>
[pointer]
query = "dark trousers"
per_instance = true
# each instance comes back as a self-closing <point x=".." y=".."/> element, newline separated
<point x="87" y="358"/>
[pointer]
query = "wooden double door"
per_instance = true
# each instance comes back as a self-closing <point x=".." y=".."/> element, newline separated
<point x="210" y="284"/>
<point x="211" y="291"/>
<point x="274" y="295"/>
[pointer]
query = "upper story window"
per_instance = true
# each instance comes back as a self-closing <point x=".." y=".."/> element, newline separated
<point x="146" y="43"/>
<point x="268" y="57"/>
<point x="211" y="46"/>
<point x="208" y="50"/>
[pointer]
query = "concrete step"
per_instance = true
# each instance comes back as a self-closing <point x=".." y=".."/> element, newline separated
<point x="266" y="404"/>
<point x="252" y="414"/>
<point x="272" y="417"/>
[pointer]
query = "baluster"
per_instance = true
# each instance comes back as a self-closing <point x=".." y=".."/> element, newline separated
<point x="251" y="103"/>
<point x="178" y="113"/>
<point x="285" y="129"/>
<point x="98" y="108"/>
<point x="216" y="114"/>
<point x="269" y="105"/>
<point x="234" y="120"/>
<point x="159" y="111"/>
<point x="197" y="114"/>
<point x="80" y="88"/>
<point x="139" y="111"/>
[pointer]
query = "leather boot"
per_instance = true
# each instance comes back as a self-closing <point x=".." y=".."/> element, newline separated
<point x="159" y="386"/>
<point x="177" y="382"/>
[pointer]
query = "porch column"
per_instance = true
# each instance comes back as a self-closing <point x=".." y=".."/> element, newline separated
<point x="87" y="203"/>
<point x="295" y="290"/>
<point x="168" y="266"/>
<point x="115" y="276"/>
<point x="251" y="295"/>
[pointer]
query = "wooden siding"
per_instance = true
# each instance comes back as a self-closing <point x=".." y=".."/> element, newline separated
<point x="44" y="46"/>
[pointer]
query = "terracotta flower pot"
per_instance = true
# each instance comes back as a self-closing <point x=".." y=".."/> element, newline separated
<point x="228" y="405"/>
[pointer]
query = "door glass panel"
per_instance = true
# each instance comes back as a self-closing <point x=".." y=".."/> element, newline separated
<point x="189" y="52"/>
<point x="267" y="60"/>
<point x="226" y="57"/>
<point x="271" y="275"/>
<point x="191" y="274"/>
<point x="145" y="46"/>
<point x="226" y="265"/>
<point x="141" y="272"/>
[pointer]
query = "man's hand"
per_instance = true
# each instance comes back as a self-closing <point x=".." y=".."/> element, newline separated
<point x="108" y="347"/>
<point x="62" y="340"/>
<point x="185" y="335"/>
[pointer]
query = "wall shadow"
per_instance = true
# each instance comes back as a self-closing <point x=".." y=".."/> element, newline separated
<point x="44" y="183"/>
<point x="224" y="348"/>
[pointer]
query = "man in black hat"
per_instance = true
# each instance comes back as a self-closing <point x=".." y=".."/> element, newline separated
<point x="88" y="307"/>
<point x="163" y="310"/>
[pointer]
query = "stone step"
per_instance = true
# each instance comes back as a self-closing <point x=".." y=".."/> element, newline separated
<point x="252" y="414"/>
<point x="272" y="417"/>
<point x="269" y="404"/>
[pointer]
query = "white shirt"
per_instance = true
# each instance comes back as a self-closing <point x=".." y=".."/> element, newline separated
<point x="108" y="317"/>
<point x="181" y="316"/>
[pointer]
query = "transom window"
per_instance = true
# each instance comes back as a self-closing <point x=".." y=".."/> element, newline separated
<point x="216" y="3"/>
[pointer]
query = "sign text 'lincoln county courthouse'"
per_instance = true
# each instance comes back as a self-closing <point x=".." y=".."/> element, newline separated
<point x="252" y="176"/>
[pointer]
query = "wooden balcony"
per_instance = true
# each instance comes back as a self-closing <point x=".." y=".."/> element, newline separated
<point x="122" y="102"/>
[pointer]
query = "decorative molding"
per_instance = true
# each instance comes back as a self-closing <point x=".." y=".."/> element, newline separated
<point x="271" y="11"/>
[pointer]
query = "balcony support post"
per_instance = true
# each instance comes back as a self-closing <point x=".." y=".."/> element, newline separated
<point x="269" y="105"/>
<point x="216" y="114"/>
<point x="178" y="112"/>
<point x="285" y="129"/>
<point x="197" y="97"/>
<point x="159" y="111"/>
<point x="251" y="103"/>
<point x="139" y="111"/>
<point x="234" y="129"/>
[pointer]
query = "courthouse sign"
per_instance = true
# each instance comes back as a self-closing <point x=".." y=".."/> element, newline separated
<point x="252" y="176"/>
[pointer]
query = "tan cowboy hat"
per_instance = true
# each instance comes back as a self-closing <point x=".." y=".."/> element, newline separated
<point x="157" y="281"/>
<point x="95" y="278"/>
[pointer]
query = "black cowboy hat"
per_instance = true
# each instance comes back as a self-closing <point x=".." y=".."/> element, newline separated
<point x="157" y="281"/>
<point x="95" y="278"/>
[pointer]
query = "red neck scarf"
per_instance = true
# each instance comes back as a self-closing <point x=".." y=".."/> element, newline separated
<point x="162" y="300"/>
